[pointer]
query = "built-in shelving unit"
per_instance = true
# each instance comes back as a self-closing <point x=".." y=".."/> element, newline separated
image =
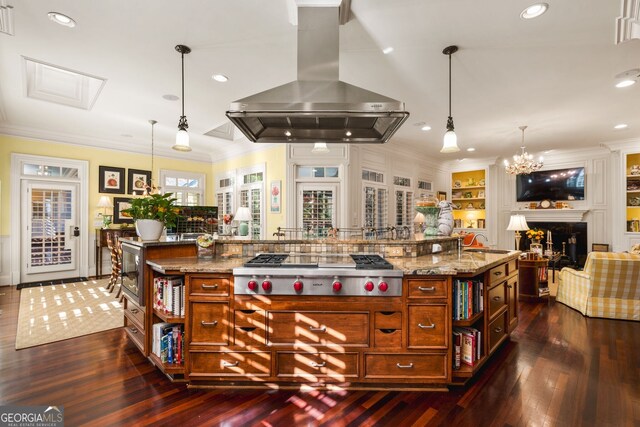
<point x="632" y="182"/>
<point x="468" y="194"/>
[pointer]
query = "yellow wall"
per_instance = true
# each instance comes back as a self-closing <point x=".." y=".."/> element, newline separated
<point x="96" y="157"/>
<point x="275" y="160"/>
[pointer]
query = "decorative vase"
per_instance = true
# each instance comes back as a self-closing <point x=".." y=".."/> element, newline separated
<point x="431" y="214"/>
<point x="149" y="230"/>
<point x="536" y="246"/>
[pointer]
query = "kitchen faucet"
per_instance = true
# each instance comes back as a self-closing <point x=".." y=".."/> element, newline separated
<point x="461" y="245"/>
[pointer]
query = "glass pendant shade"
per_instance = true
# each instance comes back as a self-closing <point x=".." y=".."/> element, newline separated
<point x="450" y="144"/>
<point x="182" y="141"/>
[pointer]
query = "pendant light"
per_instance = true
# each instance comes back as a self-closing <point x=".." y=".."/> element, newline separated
<point x="182" y="137"/>
<point x="151" y="187"/>
<point x="450" y="144"/>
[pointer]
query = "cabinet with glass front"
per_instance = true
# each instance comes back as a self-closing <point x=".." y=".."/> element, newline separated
<point x="468" y="197"/>
<point x="633" y="192"/>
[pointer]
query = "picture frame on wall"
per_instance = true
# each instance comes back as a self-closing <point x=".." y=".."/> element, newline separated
<point x="275" y="194"/>
<point x="111" y="179"/>
<point x="137" y="181"/>
<point x="442" y="196"/>
<point x="120" y="203"/>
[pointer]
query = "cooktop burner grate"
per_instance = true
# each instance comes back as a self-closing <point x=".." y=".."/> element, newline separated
<point x="371" y="262"/>
<point x="266" y="260"/>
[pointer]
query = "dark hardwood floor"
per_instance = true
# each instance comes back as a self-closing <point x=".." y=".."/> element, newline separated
<point x="559" y="368"/>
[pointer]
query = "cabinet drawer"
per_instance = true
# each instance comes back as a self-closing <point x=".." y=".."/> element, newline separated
<point x="136" y="334"/>
<point x="497" y="298"/>
<point x="336" y="366"/>
<point x="423" y="288"/>
<point x="387" y="338"/>
<point x="209" y="285"/>
<point x="232" y="364"/>
<point x="250" y="336"/>
<point x="387" y="320"/>
<point x="209" y="323"/>
<point x="250" y="318"/>
<point x="497" y="331"/>
<point x="496" y="274"/>
<point x="428" y="326"/>
<point x="318" y="328"/>
<point x="134" y="311"/>
<point x="432" y="367"/>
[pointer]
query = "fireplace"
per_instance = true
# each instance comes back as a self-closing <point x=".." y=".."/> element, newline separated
<point x="573" y="234"/>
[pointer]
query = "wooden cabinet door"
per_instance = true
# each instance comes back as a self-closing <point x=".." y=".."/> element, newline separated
<point x="429" y="326"/>
<point x="209" y="323"/>
<point x="512" y="302"/>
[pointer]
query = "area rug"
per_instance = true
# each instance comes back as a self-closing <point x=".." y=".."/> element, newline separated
<point x="59" y="312"/>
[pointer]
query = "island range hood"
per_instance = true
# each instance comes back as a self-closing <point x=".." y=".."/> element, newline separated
<point x="318" y="107"/>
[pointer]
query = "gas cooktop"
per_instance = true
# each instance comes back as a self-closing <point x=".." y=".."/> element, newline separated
<point x="358" y="262"/>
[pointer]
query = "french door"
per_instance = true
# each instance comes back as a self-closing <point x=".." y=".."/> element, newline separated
<point x="317" y="208"/>
<point x="50" y="230"/>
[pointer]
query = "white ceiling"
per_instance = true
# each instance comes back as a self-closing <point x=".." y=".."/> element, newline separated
<point x="554" y="74"/>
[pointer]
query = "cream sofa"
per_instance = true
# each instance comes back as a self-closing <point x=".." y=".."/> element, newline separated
<point x="609" y="286"/>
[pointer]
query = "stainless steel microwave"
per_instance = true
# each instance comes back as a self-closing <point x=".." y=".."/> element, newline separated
<point x="132" y="272"/>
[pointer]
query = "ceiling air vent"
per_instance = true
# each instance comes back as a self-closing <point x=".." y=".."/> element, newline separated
<point x="62" y="86"/>
<point x="224" y="131"/>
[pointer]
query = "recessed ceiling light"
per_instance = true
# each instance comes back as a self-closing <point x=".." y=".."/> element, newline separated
<point x="62" y="19"/>
<point x="170" y="97"/>
<point x="627" y="78"/>
<point x="620" y="126"/>
<point x="534" y="11"/>
<point x="387" y="50"/>
<point x="220" y="78"/>
<point x="425" y="128"/>
<point x="348" y="133"/>
<point x="287" y="133"/>
<point x="625" y="83"/>
<point x="471" y="149"/>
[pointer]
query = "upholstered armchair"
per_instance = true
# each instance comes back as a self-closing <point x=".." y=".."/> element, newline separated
<point x="609" y="286"/>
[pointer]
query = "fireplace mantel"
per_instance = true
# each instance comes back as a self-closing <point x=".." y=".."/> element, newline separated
<point x="552" y="215"/>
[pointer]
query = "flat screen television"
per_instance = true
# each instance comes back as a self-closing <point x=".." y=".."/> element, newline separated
<point x="558" y="184"/>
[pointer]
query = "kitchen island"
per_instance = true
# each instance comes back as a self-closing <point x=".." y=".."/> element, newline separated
<point x="234" y="337"/>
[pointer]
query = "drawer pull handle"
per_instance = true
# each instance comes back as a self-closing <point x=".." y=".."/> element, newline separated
<point x="429" y="289"/>
<point x="509" y="286"/>
<point x="133" y="330"/>
<point x="409" y="366"/>
<point x="497" y="330"/>
<point x="214" y="323"/>
<point x="322" y="329"/>
<point x="497" y="298"/>
<point x="248" y="311"/>
<point x="318" y="365"/>
<point x="497" y="273"/>
<point x="248" y="328"/>
<point x="134" y="310"/>
<point x="431" y="326"/>
<point x="229" y="364"/>
<point x="388" y="331"/>
<point x="387" y="313"/>
<point x="205" y="286"/>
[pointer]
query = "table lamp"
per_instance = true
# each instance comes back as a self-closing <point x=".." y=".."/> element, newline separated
<point x="517" y="223"/>
<point x="105" y="202"/>
<point x="243" y="216"/>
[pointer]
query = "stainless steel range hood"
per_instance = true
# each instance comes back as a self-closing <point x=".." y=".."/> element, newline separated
<point x="318" y="107"/>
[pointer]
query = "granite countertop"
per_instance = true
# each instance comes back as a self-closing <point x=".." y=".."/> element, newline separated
<point x="135" y="241"/>
<point x="435" y="264"/>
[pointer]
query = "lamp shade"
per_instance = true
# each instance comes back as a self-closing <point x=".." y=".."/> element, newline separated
<point x="517" y="223"/>
<point x="320" y="147"/>
<point x="419" y="218"/>
<point x="243" y="214"/>
<point x="182" y="141"/>
<point x="450" y="144"/>
<point x="104" y="202"/>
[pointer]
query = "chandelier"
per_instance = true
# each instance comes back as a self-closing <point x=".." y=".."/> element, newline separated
<point x="523" y="163"/>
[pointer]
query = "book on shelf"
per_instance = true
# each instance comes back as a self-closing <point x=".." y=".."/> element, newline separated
<point x="168" y="295"/>
<point x="168" y="342"/>
<point x="543" y="291"/>
<point x="468" y="298"/>
<point x="470" y="345"/>
<point x="457" y="342"/>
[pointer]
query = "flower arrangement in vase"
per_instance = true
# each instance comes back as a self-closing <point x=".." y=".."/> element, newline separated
<point x="535" y="235"/>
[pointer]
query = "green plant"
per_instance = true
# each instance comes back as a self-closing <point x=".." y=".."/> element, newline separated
<point x="155" y="206"/>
